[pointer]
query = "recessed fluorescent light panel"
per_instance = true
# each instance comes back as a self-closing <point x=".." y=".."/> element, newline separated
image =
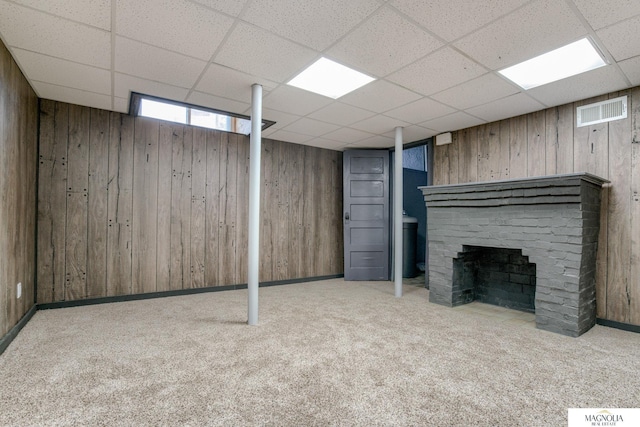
<point x="328" y="78"/>
<point x="567" y="61"/>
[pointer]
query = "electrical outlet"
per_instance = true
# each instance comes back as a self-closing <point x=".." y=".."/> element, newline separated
<point x="19" y="290"/>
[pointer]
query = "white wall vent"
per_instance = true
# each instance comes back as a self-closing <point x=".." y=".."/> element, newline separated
<point x="600" y="112"/>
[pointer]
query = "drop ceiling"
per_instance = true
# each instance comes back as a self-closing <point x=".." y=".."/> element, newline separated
<point x="435" y="62"/>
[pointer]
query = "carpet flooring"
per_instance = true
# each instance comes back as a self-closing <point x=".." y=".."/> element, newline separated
<point x="328" y="353"/>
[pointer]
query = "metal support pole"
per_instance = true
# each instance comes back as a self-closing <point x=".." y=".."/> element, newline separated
<point x="397" y="213"/>
<point x="254" y="201"/>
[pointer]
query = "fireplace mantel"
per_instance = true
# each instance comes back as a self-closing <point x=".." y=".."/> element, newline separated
<point x="554" y="220"/>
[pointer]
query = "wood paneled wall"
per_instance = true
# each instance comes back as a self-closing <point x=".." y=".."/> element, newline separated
<point x="548" y="142"/>
<point x="134" y="205"/>
<point x="18" y="165"/>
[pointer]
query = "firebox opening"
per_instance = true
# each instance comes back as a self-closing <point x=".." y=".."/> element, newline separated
<point x="497" y="276"/>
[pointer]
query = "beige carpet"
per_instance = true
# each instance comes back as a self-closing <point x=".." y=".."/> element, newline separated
<point x="325" y="353"/>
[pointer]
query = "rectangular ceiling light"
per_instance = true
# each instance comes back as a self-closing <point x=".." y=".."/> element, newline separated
<point x="567" y="61"/>
<point x="328" y="78"/>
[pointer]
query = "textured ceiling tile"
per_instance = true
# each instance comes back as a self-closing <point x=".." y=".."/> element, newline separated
<point x="537" y="28"/>
<point x="378" y="141"/>
<point x="452" y="19"/>
<point x="311" y="127"/>
<point x="228" y="83"/>
<point x="476" y="92"/>
<point x="341" y="114"/>
<point x="125" y="84"/>
<point x="379" y="124"/>
<point x="182" y="27"/>
<point x="455" y="121"/>
<point x="314" y="23"/>
<point x="631" y="67"/>
<point x="419" y="111"/>
<point x="156" y="64"/>
<point x="295" y="101"/>
<point x="585" y="85"/>
<point x="511" y="106"/>
<point x="603" y="13"/>
<point x="327" y="144"/>
<point x="282" y="119"/>
<point x="63" y="73"/>
<point x="379" y="96"/>
<point x="39" y="32"/>
<point x="216" y="102"/>
<point x="72" y="96"/>
<point x="438" y="71"/>
<point x="232" y="8"/>
<point x="383" y="44"/>
<point x="260" y="53"/>
<point x="413" y="133"/>
<point x="622" y="40"/>
<point x="121" y="105"/>
<point x="348" y="135"/>
<point x="296" y="138"/>
<point x="96" y="13"/>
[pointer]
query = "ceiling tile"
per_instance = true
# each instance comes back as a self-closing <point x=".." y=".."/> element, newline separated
<point x="96" y="13"/>
<point x="379" y="96"/>
<point x="125" y="84"/>
<point x="156" y="64"/>
<point x="384" y="43"/>
<point x="229" y="7"/>
<point x="378" y="141"/>
<point x="603" y="13"/>
<point x="379" y="124"/>
<point x="631" y="67"/>
<point x="217" y="103"/>
<point x="63" y="73"/>
<point x="326" y="143"/>
<point x="419" y="111"/>
<point x="511" y="106"/>
<point x="40" y="32"/>
<point x="292" y="100"/>
<point x="455" y="121"/>
<point x="282" y="119"/>
<point x="311" y="127"/>
<point x="72" y="96"/>
<point x="348" y="135"/>
<point x="585" y="85"/>
<point x="621" y="40"/>
<point x="286" y="136"/>
<point x="273" y="58"/>
<point x="182" y="27"/>
<point x="413" y="133"/>
<point x="452" y="19"/>
<point x="316" y="24"/>
<point x="341" y="114"/>
<point x="537" y="28"/>
<point x="476" y="92"/>
<point x="121" y="105"/>
<point x="228" y="83"/>
<point x="440" y="70"/>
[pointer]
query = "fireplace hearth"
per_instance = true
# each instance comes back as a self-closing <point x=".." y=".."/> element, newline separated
<point x="528" y="244"/>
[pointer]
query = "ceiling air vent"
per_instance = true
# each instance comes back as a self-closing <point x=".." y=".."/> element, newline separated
<point x="600" y="112"/>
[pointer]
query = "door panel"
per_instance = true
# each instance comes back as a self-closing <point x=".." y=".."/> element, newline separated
<point x="366" y="214"/>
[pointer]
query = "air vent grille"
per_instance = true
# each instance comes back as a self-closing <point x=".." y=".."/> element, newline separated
<point x="600" y="112"/>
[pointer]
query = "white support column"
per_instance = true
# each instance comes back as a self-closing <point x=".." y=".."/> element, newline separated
<point x="397" y="213"/>
<point x="254" y="201"/>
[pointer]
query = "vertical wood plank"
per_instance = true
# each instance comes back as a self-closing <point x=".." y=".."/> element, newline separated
<point x="198" y="203"/>
<point x="98" y="198"/>
<point x="78" y="149"/>
<point x="165" y="175"/>
<point x="619" y="221"/>
<point x="76" y="246"/>
<point x="518" y="147"/>
<point x="120" y="205"/>
<point x="504" y="150"/>
<point x="441" y="166"/>
<point x="267" y="198"/>
<point x="281" y="235"/>
<point x="536" y="143"/>
<point x="242" y="213"/>
<point x="227" y="212"/>
<point x="565" y="127"/>
<point x="212" y="205"/>
<point x="551" y="139"/>
<point x="468" y="155"/>
<point x="296" y="166"/>
<point x="591" y="146"/>
<point x="633" y="291"/>
<point x="454" y="156"/>
<point x="145" y="205"/>
<point x="311" y="182"/>
<point x="180" y="246"/>
<point x="489" y="154"/>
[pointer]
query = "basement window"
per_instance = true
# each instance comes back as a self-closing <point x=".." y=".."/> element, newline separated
<point x="179" y="112"/>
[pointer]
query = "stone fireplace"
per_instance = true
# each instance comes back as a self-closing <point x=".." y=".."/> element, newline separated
<point x="528" y="244"/>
